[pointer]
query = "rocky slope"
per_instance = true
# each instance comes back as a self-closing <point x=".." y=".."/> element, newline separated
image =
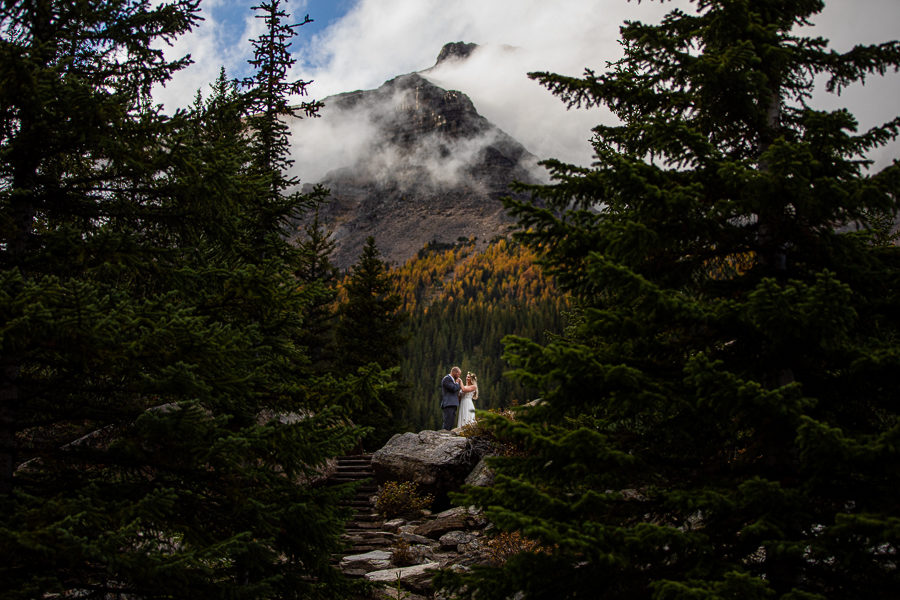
<point x="424" y="167"/>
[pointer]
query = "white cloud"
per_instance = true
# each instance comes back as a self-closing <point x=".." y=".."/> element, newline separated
<point x="333" y="141"/>
<point x="379" y="39"/>
<point x="351" y="132"/>
<point x="219" y="40"/>
<point x="495" y="78"/>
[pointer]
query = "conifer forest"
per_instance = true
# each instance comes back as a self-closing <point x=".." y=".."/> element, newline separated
<point x="703" y="323"/>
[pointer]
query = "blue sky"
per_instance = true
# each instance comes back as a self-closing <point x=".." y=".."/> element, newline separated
<point x="324" y="13"/>
<point x="230" y="17"/>
<point x="358" y="44"/>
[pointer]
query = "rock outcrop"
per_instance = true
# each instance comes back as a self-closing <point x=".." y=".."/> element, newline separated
<point x="438" y="461"/>
<point x="455" y="51"/>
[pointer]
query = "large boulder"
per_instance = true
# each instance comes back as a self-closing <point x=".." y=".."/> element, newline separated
<point x="438" y="461"/>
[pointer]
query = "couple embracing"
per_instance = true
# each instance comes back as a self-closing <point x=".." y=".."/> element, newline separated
<point x="457" y="398"/>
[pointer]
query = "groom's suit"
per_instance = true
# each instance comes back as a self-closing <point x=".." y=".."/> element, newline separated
<point x="449" y="401"/>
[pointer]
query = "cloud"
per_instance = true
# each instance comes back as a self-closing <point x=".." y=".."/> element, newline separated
<point x="336" y="139"/>
<point x="370" y="133"/>
<point x="379" y="39"/>
<point x="495" y="78"/>
<point x="382" y="38"/>
<point x="221" y="39"/>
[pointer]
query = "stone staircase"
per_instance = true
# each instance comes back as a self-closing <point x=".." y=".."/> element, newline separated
<point x="364" y="532"/>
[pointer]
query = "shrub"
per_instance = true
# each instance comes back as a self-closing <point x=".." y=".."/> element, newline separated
<point x="478" y="432"/>
<point x="503" y="546"/>
<point x="401" y="554"/>
<point x="397" y="498"/>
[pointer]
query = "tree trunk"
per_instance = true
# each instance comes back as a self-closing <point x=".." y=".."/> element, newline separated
<point x="773" y="254"/>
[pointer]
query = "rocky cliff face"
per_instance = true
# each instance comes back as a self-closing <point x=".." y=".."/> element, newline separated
<point x="426" y="167"/>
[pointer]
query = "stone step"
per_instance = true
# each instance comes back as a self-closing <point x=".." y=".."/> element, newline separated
<point x="362" y="496"/>
<point x="365" y="532"/>
<point x="354" y="573"/>
<point x="359" y="498"/>
<point x="360" y="460"/>
<point x="364" y="525"/>
<point x="362" y="466"/>
<point x="366" y="514"/>
<point x="353" y="475"/>
<point x="355" y="468"/>
<point x="342" y="478"/>
<point x="376" y="537"/>
<point x="362" y="549"/>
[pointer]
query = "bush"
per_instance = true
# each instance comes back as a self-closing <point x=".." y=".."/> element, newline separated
<point x="397" y="498"/>
<point x="503" y="546"/>
<point x="479" y="433"/>
<point x="401" y="554"/>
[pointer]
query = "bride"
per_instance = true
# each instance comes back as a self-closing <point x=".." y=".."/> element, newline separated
<point x="466" y="412"/>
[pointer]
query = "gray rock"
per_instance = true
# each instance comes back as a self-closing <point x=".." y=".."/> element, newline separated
<point x="445" y="522"/>
<point x="393" y="525"/>
<point x="423" y="553"/>
<point x="370" y="561"/>
<point x="454" y="539"/>
<point x="416" y="578"/>
<point x="392" y="593"/>
<point x="455" y="51"/>
<point x="412" y="538"/>
<point x="481" y="475"/>
<point x="438" y="461"/>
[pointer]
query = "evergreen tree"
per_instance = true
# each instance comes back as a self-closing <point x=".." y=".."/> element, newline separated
<point x="270" y="97"/>
<point x="720" y="419"/>
<point x="319" y="277"/>
<point x="370" y="328"/>
<point x="369" y="336"/>
<point x="152" y="404"/>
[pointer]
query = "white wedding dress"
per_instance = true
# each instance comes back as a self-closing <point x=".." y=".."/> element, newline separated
<point x="465" y="414"/>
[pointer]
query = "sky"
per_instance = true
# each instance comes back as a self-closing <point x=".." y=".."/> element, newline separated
<point x="358" y="44"/>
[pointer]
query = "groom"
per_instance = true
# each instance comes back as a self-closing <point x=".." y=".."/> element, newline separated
<point x="450" y="386"/>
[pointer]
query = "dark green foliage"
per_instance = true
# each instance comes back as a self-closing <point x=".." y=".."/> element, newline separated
<point x="157" y="430"/>
<point x="269" y="96"/>
<point x="720" y="420"/>
<point x="369" y="335"/>
<point x="370" y="327"/>
<point x="319" y="278"/>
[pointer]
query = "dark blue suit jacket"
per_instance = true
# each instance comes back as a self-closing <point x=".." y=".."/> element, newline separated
<point x="449" y="392"/>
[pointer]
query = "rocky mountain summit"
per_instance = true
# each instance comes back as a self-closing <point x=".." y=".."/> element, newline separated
<point x="424" y="167"/>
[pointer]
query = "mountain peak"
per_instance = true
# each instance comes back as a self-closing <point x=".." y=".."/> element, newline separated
<point x="455" y="51"/>
<point x="417" y="164"/>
